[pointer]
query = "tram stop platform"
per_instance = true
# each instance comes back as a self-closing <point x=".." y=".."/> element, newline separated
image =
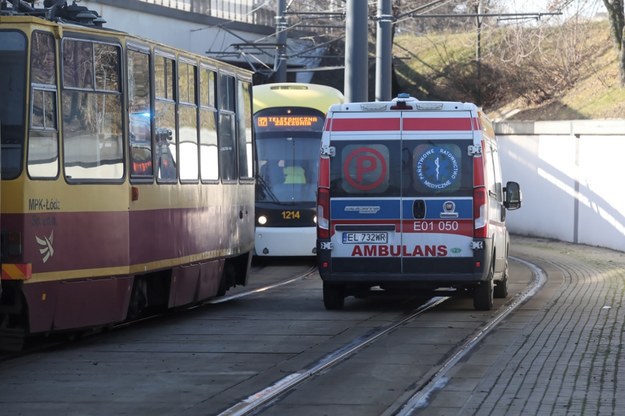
<point x="560" y="353"/>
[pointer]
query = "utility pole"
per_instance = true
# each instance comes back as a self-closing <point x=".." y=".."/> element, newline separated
<point x="280" y="64"/>
<point x="478" y="50"/>
<point x="356" y="52"/>
<point x="384" y="54"/>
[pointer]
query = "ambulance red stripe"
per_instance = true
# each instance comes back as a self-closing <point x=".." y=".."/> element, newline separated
<point x="410" y="124"/>
<point x="365" y="124"/>
<point x="439" y="124"/>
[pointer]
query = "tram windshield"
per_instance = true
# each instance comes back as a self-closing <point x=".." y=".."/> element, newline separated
<point x="287" y="143"/>
<point x="13" y="93"/>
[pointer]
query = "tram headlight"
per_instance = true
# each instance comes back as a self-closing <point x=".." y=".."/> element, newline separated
<point x="262" y="220"/>
<point x="315" y="219"/>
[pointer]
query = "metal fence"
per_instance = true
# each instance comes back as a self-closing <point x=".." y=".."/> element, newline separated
<point x="246" y="11"/>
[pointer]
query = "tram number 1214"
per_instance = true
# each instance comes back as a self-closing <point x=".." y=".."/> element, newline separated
<point x="291" y="215"/>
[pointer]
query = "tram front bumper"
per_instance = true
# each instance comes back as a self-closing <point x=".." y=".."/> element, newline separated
<point x="285" y="241"/>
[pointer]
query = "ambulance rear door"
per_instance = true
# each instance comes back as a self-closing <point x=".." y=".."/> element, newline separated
<point x="437" y="192"/>
<point x="365" y="189"/>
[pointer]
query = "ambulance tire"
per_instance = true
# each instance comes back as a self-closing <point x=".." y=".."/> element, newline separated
<point x="483" y="293"/>
<point x="333" y="296"/>
<point x="501" y="287"/>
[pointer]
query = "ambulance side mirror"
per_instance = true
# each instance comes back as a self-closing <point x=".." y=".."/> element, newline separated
<point x="513" y="196"/>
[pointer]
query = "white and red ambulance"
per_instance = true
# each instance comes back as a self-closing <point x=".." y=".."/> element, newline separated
<point x="410" y="197"/>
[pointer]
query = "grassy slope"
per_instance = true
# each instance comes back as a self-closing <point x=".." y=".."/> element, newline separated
<point x="432" y="66"/>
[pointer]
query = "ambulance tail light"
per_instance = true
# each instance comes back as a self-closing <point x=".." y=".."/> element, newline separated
<point x="480" y="212"/>
<point x="323" y="181"/>
<point x="323" y="213"/>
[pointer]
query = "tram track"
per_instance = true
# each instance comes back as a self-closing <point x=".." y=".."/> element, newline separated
<point x="264" y="288"/>
<point x="265" y="396"/>
<point x="44" y="343"/>
<point x="276" y="352"/>
<point x="417" y="395"/>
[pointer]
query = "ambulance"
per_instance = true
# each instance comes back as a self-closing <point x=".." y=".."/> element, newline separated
<point x="410" y="198"/>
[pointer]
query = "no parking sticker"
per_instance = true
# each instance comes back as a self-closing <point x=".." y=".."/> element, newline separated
<point x="365" y="168"/>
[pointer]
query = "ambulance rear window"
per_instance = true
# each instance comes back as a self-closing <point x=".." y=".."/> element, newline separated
<point x="394" y="168"/>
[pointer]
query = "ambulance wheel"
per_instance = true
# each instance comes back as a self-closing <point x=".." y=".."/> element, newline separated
<point x="501" y="287"/>
<point x="333" y="296"/>
<point x="483" y="294"/>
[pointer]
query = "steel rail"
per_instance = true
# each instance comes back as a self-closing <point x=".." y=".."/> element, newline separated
<point x="223" y="299"/>
<point x="62" y="339"/>
<point x="265" y="397"/>
<point x="420" y="395"/>
<point x="417" y="397"/>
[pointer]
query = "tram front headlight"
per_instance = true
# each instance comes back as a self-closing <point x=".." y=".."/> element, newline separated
<point x="315" y="219"/>
<point x="262" y="220"/>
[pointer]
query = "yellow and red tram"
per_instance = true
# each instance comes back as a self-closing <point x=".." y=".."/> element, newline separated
<point x="127" y="174"/>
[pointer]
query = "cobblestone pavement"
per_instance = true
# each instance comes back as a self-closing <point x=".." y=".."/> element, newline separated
<point x="560" y="353"/>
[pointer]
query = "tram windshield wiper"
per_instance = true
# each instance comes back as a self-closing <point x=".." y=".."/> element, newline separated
<point x="265" y="190"/>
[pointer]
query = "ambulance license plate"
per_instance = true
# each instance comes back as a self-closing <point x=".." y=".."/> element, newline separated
<point x="371" y="238"/>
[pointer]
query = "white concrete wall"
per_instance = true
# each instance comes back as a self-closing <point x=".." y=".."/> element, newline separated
<point x="571" y="176"/>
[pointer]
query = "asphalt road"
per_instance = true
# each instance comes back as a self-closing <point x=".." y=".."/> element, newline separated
<point x="206" y="360"/>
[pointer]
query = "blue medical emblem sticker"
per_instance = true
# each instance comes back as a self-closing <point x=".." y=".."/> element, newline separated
<point x="437" y="167"/>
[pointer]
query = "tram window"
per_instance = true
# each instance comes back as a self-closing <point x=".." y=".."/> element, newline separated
<point x="43" y="69"/>
<point x="43" y="114"/>
<point x="186" y="83"/>
<point x="244" y="113"/>
<point x="92" y="127"/>
<point x="165" y="120"/>
<point x="209" y="156"/>
<point x="77" y="64"/>
<point x="227" y="149"/>
<point x="92" y="135"/>
<point x="13" y="92"/>
<point x="227" y="129"/>
<point x="43" y="154"/>
<point x="207" y="87"/>
<point x="164" y="77"/>
<point x="187" y="122"/>
<point x="165" y="142"/>
<point x="188" y="142"/>
<point x="106" y="67"/>
<point x="226" y="92"/>
<point x="43" y="146"/>
<point x="140" y="114"/>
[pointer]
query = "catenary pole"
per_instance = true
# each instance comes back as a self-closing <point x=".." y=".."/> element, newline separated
<point x="356" y="53"/>
<point x="280" y="65"/>
<point x="478" y="50"/>
<point x="384" y="55"/>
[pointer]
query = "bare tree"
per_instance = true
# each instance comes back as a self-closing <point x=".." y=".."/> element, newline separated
<point x="616" y="15"/>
